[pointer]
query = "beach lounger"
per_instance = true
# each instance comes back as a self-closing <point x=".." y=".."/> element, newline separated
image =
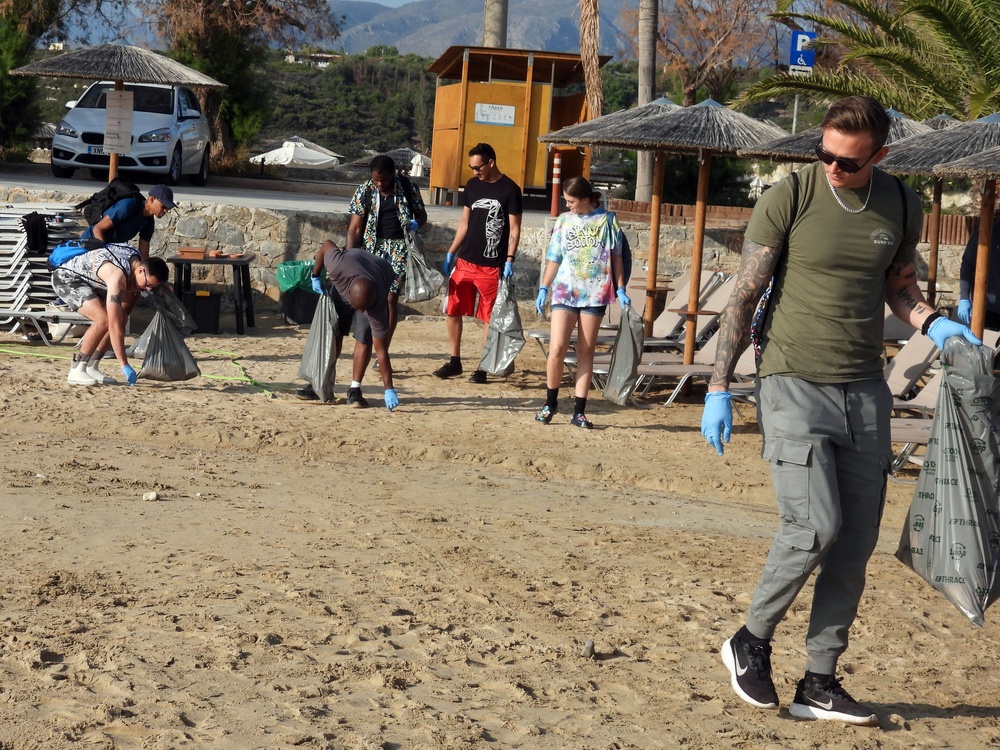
<point x="910" y="365"/>
<point x="666" y="322"/>
<point x="912" y="432"/>
<point x="36" y="322"/>
<point x="702" y="367"/>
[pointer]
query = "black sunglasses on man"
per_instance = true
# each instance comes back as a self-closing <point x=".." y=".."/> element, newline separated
<point x="844" y="165"/>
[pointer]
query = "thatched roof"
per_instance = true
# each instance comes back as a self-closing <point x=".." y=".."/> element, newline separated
<point x="921" y="153"/>
<point x="982" y="165"/>
<point x="802" y="146"/>
<point x="942" y="121"/>
<point x="707" y="125"/>
<point x="118" y="62"/>
<point x="612" y="120"/>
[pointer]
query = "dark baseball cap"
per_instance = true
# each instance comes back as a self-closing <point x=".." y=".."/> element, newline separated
<point x="164" y="195"/>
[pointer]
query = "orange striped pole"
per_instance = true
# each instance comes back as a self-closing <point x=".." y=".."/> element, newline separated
<point x="556" y="183"/>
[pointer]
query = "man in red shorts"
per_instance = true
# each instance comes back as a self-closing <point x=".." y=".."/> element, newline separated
<point x="485" y="242"/>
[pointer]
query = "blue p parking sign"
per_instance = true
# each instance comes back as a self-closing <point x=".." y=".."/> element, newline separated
<point x="802" y="57"/>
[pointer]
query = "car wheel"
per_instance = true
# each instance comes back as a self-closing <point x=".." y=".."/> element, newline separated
<point x="176" y="162"/>
<point x="201" y="177"/>
<point x="99" y="174"/>
<point x="62" y="172"/>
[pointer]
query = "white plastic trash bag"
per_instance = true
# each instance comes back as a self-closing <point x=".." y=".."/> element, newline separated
<point x="952" y="532"/>
<point x="625" y="356"/>
<point x="422" y="281"/>
<point x="319" y="360"/>
<point x="505" y="336"/>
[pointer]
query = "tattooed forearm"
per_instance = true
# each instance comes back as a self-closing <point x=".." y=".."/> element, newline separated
<point x="904" y="296"/>
<point x="119" y="298"/>
<point x="756" y="269"/>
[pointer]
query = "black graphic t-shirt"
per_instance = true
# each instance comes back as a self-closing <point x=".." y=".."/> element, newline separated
<point x="488" y="235"/>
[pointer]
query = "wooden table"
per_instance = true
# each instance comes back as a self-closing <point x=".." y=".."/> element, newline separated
<point x="242" y="292"/>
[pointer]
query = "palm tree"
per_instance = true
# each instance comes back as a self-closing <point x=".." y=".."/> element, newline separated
<point x="590" y="42"/>
<point x="649" y="15"/>
<point x="924" y="57"/>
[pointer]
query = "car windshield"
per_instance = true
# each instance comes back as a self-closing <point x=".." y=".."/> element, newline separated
<point x="144" y="98"/>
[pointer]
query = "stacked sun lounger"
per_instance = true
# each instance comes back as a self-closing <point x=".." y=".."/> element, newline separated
<point x="25" y="280"/>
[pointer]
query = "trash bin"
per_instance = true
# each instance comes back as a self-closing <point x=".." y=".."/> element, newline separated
<point x="298" y="300"/>
<point x="205" y="308"/>
<point x="298" y="306"/>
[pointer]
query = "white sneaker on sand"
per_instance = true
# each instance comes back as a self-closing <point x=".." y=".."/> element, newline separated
<point x="99" y="377"/>
<point x="78" y="375"/>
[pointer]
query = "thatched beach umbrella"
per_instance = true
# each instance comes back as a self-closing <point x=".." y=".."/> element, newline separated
<point x="919" y="155"/>
<point x="705" y="129"/>
<point x="942" y="121"/>
<point x="571" y="133"/>
<point x="984" y="165"/>
<point x="120" y="63"/>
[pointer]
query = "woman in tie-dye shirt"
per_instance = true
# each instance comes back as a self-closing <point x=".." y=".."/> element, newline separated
<point x="586" y="273"/>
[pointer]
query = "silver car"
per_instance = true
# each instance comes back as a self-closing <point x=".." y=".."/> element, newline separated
<point x="170" y="135"/>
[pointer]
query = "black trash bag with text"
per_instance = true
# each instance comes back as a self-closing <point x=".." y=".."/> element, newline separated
<point x="952" y="532"/>
<point x="422" y="281"/>
<point x="623" y="372"/>
<point x="166" y="356"/>
<point x="505" y="335"/>
<point x="319" y="360"/>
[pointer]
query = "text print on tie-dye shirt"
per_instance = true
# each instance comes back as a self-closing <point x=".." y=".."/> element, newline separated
<point x="582" y="246"/>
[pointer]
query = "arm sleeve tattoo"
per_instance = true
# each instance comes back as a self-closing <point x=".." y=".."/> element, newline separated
<point x="756" y="269"/>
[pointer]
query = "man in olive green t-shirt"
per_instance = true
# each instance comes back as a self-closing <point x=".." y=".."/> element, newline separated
<point x="851" y="233"/>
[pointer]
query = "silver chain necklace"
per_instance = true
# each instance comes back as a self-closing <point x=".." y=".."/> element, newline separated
<point x="841" y="200"/>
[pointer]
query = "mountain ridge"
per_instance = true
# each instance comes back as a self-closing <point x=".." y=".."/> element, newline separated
<point x="429" y="27"/>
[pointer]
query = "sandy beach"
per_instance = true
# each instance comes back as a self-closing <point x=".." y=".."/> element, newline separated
<point x="317" y="576"/>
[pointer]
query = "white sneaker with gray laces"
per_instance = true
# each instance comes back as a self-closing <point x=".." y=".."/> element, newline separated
<point x="824" y="698"/>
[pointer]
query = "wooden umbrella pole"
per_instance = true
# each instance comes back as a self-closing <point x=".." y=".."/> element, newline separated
<point x="934" y="237"/>
<point x="696" y="253"/>
<point x="649" y="312"/>
<point x="983" y="257"/>
<point x="113" y="161"/>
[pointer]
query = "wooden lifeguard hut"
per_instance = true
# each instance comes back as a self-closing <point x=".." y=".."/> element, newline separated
<point x="507" y="98"/>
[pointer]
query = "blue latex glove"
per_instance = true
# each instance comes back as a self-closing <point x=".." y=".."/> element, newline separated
<point x="130" y="375"/>
<point x="943" y="329"/>
<point x="413" y="225"/>
<point x="965" y="311"/>
<point x="317" y="284"/>
<point x="508" y="269"/>
<point x="449" y="262"/>
<point x="623" y="299"/>
<point x="543" y="292"/>
<point x="717" y="419"/>
<point x="391" y="399"/>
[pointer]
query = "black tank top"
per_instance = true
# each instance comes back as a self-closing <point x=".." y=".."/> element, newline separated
<point x="388" y="227"/>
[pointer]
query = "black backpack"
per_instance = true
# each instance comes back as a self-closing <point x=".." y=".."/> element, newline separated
<point x="36" y="230"/>
<point x="95" y="206"/>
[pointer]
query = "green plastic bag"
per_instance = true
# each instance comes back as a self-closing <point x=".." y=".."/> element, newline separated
<point x="295" y="274"/>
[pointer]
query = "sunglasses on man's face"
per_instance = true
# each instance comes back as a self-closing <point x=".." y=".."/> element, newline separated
<point x="844" y="165"/>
